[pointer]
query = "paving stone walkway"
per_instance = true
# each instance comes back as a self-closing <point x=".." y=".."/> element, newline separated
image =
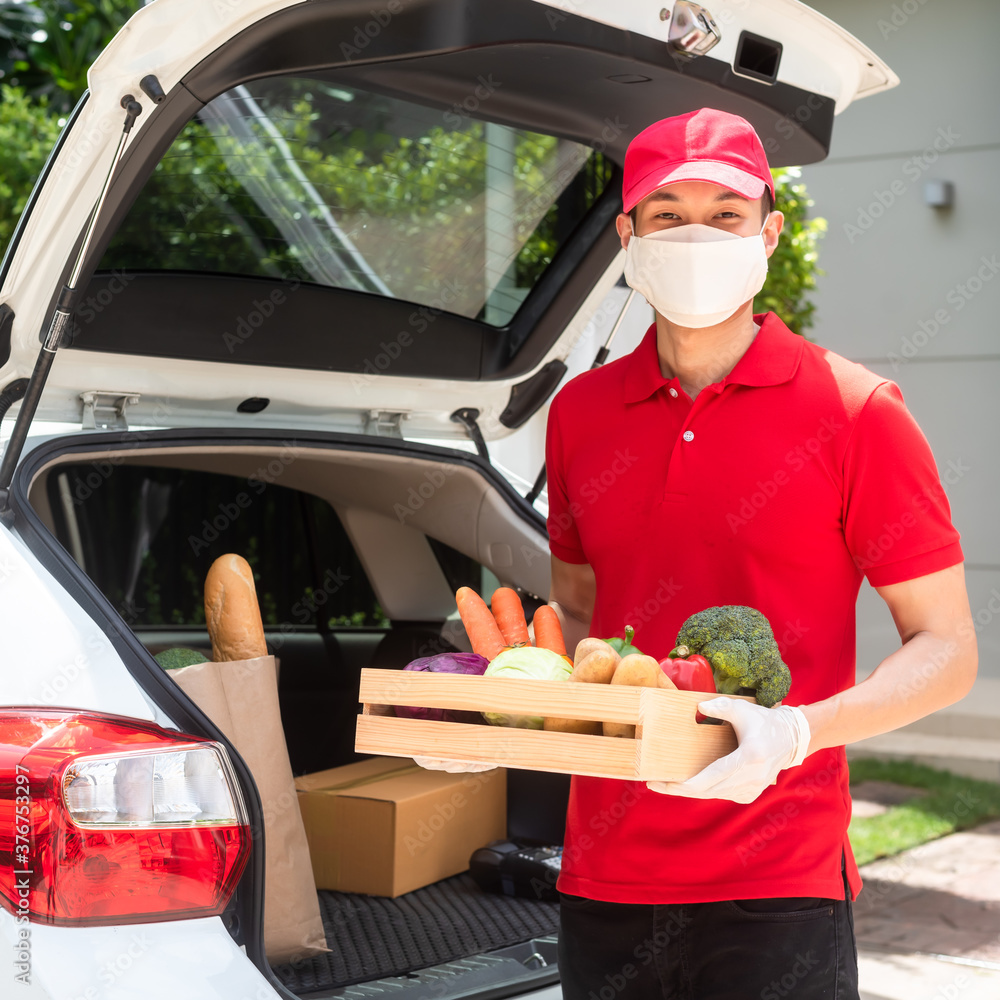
<point x="928" y="920"/>
<point x="940" y="898"/>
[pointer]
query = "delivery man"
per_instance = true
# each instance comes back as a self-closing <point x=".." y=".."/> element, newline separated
<point x="728" y="461"/>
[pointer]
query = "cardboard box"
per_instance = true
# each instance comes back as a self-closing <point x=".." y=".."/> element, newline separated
<point x="387" y="826"/>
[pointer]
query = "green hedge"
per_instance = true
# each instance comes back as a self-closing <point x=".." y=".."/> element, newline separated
<point x="28" y="131"/>
<point x="792" y="268"/>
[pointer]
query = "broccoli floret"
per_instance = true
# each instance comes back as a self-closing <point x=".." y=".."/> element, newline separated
<point x="740" y="645"/>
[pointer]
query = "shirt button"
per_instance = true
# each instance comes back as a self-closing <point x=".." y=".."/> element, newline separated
<point x="688" y="435"/>
<point x="673" y="392"/>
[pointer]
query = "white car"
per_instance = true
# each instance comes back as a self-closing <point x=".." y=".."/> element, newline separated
<point x="290" y="267"/>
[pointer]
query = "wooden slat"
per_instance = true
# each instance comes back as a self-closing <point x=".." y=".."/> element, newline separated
<point x="559" y="699"/>
<point x="672" y="742"/>
<point x="531" y="749"/>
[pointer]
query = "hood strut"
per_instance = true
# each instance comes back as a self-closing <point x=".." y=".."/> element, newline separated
<point x="61" y="316"/>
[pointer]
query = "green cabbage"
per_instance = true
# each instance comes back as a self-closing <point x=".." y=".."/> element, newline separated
<point x="526" y="662"/>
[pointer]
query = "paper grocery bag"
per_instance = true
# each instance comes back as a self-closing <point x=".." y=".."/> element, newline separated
<point x="241" y="698"/>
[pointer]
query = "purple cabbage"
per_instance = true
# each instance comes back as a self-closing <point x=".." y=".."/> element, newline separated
<point x="445" y="663"/>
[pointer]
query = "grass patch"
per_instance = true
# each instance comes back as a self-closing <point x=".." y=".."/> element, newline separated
<point x="952" y="803"/>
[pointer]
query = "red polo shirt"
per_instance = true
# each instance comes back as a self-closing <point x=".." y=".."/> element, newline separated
<point x="777" y="488"/>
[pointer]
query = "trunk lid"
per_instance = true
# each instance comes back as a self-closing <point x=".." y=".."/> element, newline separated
<point x="370" y="219"/>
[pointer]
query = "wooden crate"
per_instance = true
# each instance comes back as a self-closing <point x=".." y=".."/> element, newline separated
<point x="669" y="745"/>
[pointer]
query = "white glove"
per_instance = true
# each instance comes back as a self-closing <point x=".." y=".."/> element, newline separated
<point x="453" y="766"/>
<point x="770" y="739"/>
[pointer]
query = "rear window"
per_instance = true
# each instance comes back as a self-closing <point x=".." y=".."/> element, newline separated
<point x="147" y="536"/>
<point x="304" y="179"/>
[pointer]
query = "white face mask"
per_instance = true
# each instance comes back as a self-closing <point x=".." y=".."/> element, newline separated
<point x="696" y="275"/>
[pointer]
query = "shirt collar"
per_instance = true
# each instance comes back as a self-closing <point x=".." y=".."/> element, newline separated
<point x="772" y="358"/>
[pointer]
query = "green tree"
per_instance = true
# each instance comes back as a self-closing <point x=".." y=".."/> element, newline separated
<point x="392" y="191"/>
<point x="28" y="130"/>
<point x="47" y="46"/>
<point x="792" y="268"/>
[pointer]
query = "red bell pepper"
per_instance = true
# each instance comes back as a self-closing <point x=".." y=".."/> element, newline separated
<point x="690" y="672"/>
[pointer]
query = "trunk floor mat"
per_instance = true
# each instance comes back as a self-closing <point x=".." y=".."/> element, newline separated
<point x="371" y="937"/>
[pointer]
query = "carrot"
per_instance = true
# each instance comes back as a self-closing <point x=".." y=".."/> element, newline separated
<point x="480" y="625"/>
<point x="548" y="631"/>
<point x="509" y="616"/>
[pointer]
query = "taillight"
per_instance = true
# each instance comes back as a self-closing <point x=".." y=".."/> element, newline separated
<point x="106" y="820"/>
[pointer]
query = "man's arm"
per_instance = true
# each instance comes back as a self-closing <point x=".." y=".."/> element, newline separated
<point x="935" y="666"/>
<point x="572" y="594"/>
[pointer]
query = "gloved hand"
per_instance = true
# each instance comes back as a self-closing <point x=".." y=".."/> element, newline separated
<point x="452" y="766"/>
<point x="770" y="739"/>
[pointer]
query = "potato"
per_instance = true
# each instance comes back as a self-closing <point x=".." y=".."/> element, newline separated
<point x="572" y="726"/>
<point x="597" y="667"/>
<point x="637" y="670"/>
<point x="587" y="646"/>
<point x="620" y="729"/>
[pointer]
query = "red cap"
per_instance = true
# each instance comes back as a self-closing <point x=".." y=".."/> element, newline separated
<point x="703" y="145"/>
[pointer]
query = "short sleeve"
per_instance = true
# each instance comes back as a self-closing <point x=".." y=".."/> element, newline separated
<point x="564" y="537"/>
<point x="897" y="520"/>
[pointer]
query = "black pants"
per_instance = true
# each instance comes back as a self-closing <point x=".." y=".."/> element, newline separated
<point x="801" y="948"/>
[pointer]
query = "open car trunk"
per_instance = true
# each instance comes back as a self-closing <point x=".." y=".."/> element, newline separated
<point x="358" y="545"/>
<point x="298" y="242"/>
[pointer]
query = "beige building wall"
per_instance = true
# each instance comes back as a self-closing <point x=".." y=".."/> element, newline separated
<point x="912" y="291"/>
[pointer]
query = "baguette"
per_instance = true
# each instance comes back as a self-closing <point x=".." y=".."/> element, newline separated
<point x="232" y="612"/>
